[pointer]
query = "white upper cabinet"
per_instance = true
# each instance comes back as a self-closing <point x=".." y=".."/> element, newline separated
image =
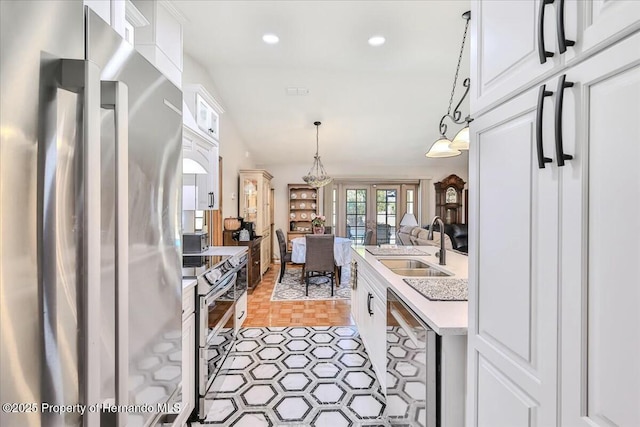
<point x="594" y="25"/>
<point x="200" y="183"/>
<point x="508" y="40"/>
<point x="161" y="41"/>
<point x="200" y="189"/>
<point x="518" y="43"/>
<point x="206" y="117"/>
<point x="111" y="11"/>
<point x="205" y="108"/>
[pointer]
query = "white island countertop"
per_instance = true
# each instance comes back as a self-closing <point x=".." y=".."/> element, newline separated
<point x="444" y="317"/>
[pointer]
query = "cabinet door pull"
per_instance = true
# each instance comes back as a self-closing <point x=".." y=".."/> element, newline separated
<point x="542" y="52"/>
<point x="562" y="84"/>
<point x="354" y="275"/>
<point x="562" y="41"/>
<point x="241" y="315"/>
<point x="211" y="199"/>
<point x="542" y="93"/>
<point x="369" y="298"/>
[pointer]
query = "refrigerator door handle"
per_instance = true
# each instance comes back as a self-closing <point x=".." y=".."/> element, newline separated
<point x="83" y="77"/>
<point x="115" y="95"/>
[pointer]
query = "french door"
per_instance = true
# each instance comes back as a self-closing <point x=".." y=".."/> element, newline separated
<point x="375" y="207"/>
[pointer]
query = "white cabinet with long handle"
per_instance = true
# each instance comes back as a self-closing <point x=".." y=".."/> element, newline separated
<point x="599" y="263"/>
<point x="516" y="44"/>
<point x="553" y="321"/>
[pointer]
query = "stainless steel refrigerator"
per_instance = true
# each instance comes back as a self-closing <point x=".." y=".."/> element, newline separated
<point x="90" y="256"/>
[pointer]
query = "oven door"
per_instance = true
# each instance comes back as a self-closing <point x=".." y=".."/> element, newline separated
<point x="215" y="321"/>
<point x="411" y="367"/>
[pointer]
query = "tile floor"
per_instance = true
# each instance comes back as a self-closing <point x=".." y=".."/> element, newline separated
<point x="296" y="376"/>
<point x="295" y="363"/>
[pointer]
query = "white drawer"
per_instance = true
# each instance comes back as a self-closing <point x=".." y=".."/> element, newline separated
<point x="241" y="311"/>
<point x="188" y="301"/>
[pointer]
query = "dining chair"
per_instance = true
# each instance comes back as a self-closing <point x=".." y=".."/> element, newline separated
<point x="368" y="237"/>
<point x="285" y="256"/>
<point x="319" y="258"/>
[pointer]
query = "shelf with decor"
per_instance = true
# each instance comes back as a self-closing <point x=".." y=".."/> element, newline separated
<point x="303" y="207"/>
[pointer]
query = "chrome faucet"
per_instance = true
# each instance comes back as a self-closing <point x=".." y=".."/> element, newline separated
<point x="443" y="251"/>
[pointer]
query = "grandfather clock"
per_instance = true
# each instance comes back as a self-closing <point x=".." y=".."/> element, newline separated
<point x="449" y="199"/>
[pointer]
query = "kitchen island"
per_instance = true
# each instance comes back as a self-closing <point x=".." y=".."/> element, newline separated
<point x="372" y="280"/>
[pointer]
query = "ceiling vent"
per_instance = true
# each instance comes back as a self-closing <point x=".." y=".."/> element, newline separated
<point x="297" y="91"/>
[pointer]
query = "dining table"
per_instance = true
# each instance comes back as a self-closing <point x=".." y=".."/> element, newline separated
<point x="341" y="253"/>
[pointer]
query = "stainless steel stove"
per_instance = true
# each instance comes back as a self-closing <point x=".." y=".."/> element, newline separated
<point x="218" y="289"/>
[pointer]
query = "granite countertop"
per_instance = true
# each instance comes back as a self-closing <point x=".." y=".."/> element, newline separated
<point x="441" y="289"/>
<point x="448" y="317"/>
<point x="399" y="250"/>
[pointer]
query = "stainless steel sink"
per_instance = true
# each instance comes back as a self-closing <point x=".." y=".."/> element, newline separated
<point x="411" y="267"/>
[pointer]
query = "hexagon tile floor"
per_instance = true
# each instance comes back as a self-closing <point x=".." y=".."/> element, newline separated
<point x="297" y="376"/>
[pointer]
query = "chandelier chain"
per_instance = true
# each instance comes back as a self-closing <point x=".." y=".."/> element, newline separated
<point x="455" y="78"/>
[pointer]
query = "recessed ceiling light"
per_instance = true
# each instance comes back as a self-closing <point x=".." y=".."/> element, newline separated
<point x="377" y="41"/>
<point x="270" y="38"/>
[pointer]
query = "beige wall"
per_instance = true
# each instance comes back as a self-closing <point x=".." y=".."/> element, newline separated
<point x="233" y="149"/>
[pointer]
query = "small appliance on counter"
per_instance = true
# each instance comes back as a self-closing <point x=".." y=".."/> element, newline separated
<point x="244" y="233"/>
<point x="249" y="227"/>
<point x="194" y="243"/>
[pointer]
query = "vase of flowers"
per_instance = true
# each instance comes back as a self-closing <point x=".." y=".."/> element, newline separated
<point x="318" y="224"/>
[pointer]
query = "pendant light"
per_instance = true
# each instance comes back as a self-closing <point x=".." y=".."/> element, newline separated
<point x="317" y="177"/>
<point x="444" y="147"/>
<point x="461" y="140"/>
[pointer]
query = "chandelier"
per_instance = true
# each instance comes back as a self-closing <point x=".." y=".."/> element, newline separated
<point x="444" y="147"/>
<point x="317" y="177"/>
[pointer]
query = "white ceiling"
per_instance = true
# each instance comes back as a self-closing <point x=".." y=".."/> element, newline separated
<point x="377" y="105"/>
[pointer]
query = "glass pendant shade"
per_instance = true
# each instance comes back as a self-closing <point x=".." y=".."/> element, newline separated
<point x="442" y="148"/>
<point x="461" y="140"/>
<point x="317" y="177"/>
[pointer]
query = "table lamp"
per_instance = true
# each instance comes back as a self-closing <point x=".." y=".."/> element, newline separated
<point x="407" y="219"/>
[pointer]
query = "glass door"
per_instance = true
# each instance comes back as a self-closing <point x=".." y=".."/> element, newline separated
<point x="356" y="208"/>
<point x="386" y="215"/>
<point x="356" y="213"/>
